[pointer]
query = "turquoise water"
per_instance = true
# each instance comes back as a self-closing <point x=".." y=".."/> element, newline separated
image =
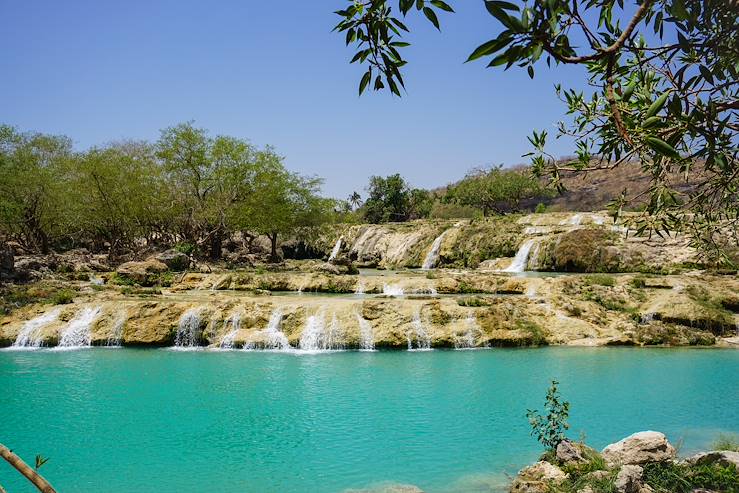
<point x="162" y="421"/>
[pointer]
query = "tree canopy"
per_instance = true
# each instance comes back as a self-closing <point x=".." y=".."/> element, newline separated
<point x="187" y="187"/>
<point x="663" y="78"/>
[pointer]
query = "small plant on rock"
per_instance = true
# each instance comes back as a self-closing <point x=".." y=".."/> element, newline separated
<point x="549" y="429"/>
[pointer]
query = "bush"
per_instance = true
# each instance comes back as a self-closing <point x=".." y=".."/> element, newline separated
<point x="601" y="280"/>
<point x="540" y="208"/>
<point x="62" y="297"/>
<point x="186" y="248"/>
<point x="671" y="477"/>
<point x="726" y="442"/>
<point x="549" y="429"/>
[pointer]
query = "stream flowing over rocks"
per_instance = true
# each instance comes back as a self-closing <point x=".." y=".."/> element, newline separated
<point x="507" y="281"/>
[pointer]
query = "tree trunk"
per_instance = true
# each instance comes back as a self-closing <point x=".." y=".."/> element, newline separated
<point x="38" y="481"/>
<point x="216" y="245"/>
<point x="273" y="255"/>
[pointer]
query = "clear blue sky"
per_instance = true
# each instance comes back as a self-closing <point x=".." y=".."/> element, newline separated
<point x="272" y="72"/>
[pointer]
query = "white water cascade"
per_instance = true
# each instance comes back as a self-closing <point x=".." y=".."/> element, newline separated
<point x="575" y="220"/>
<point x="366" y="333"/>
<point x="392" y="290"/>
<point x="419" y="334"/>
<point x="317" y="336"/>
<point x="233" y="325"/>
<point x="360" y="287"/>
<point x="274" y="338"/>
<point x="77" y="333"/>
<point x="468" y="339"/>
<point x="522" y="257"/>
<point x="337" y="248"/>
<point x="433" y="256"/>
<point x="30" y="334"/>
<point x="115" y="337"/>
<point x="188" y="331"/>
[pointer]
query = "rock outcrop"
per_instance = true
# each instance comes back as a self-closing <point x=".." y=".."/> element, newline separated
<point x="639" y="448"/>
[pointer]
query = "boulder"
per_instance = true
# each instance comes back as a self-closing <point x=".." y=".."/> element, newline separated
<point x="538" y="478"/>
<point x="638" y="449"/>
<point x="571" y="452"/>
<point x="721" y="457"/>
<point x="176" y="261"/>
<point x="141" y="272"/>
<point x="628" y="479"/>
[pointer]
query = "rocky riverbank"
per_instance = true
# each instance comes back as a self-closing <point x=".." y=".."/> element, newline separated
<point x="644" y="462"/>
<point x="381" y="309"/>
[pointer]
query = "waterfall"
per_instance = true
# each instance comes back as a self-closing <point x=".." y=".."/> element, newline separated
<point x="533" y="261"/>
<point x="468" y="339"/>
<point x="30" y="334"/>
<point x="419" y="333"/>
<point x="317" y="336"/>
<point x="360" y="287"/>
<point x="274" y="338"/>
<point x="574" y="220"/>
<point x="77" y="333"/>
<point x="522" y="257"/>
<point x="188" y="331"/>
<point x="115" y="338"/>
<point x="366" y="333"/>
<point x="433" y="256"/>
<point x="337" y="248"/>
<point x="392" y="290"/>
<point x="234" y="322"/>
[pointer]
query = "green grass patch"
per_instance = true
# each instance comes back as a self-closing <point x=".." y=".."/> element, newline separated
<point x="600" y="280"/>
<point x="670" y="477"/>
<point x="726" y="442"/>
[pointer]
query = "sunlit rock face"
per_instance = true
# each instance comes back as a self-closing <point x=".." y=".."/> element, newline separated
<point x="415" y="310"/>
<point x="564" y="242"/>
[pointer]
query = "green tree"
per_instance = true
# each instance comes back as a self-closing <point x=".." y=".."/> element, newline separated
<point x="210" y="176"/>
<point x="388" y="199"/>
<point x="117" y="194"/>
<point x="32" y="188"/>
<point x="495" y="189"/>
<point x="281" y="202"/>
<point x="549" y="429"/>
<point x="664" y="78"/>
<point x="355" y="200"/>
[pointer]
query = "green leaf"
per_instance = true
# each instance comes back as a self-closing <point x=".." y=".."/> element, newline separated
<point x="489" y="48"/>
<point x="503" y="5"/>
<point x="441" y="5"/>
<point x="431" y="15"/>
<point x="662" y="147"/>
<point x="365" y="80"/>
<point x="531" y="71"/>
<point x="657" y="105"/>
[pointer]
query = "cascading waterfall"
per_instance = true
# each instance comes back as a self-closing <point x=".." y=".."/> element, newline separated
<point x="77" y="333"/>
<point x="274" y="338"/>
<point x="392" y="290"/>
<point x="317" y="336"/>
<point x="574" y="220"/>
<point x="432" y="257"/>
<point x="533" y="261"/>
<point x="115" y="337"/>
<point x="366" y="333"/>
<point x="188" y="331"/>
<point x="522" y="257"/>
<point x="418" y="333"/>
<point x="468" y="339"/>
<point x="337" y="248"/>
<point x="232" y="325"/>
<point x="360" y="288"/>
<point x="30" y="334"/>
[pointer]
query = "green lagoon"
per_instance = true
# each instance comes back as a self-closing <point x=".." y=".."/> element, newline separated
<point x="126" y="420"/>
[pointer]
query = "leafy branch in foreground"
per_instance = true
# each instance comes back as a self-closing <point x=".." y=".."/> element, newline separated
<point x="549" y="429"/>
<point x="663" y="91"/>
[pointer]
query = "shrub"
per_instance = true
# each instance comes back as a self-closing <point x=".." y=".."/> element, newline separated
<point x="62" y="297"/>
<point x="726" y="442"/>
<point x="186" y="248"/>
<point x="601" y="279"/>
<point x="549" y="429"/>
<point x="540" y="208"/>
<point x="671" y="477"/>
